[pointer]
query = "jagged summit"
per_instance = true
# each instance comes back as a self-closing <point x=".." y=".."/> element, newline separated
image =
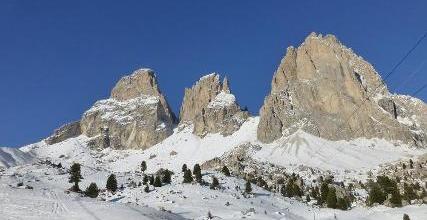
<point x="136" y="115"/>
<point x="211" y="107"/>
<point x="319" y="85"/>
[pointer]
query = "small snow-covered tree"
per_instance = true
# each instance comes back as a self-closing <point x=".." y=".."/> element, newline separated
<point x="215" y="183"/>
<point x="143" y="166"/>
<point x="157" y="182"/>
<point x="188" y="178"/>
<point x="167" y="176"/>
<point x="111" y="183"/>
<point x="197" y="173"/>
<point x="92" y="191"/>
<point x="151" y="180"/>
<point x="406" y="217"/>
<point x="331" y="200"/>
<point x="225" y="170"/>
<point x="146" y="188"/>
<point x="75" y="176"/>
<point x="145" y="179"/>
<point x="248" y="187"/>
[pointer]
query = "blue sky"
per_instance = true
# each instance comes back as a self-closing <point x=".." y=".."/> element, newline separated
<point x="58" y="57"/>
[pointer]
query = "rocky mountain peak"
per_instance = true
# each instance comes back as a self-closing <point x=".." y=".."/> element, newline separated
<point x="140" y="82"/>
<point x="211" y="108"/>
<point x="318" y="86"/>
<point x="136" y="115"/>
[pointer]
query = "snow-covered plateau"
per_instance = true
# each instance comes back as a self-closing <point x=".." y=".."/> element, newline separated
<point x="32" y="186"/>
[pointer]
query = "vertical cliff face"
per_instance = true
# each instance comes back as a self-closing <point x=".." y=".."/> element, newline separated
<point x="135" y="116"/>
<point x="211" y="108"/>
<point x="319" y="85"/>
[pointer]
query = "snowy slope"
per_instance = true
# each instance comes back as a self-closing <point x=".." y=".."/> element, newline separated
<point x="193" y="201"/>
<point x="13" y="156"/>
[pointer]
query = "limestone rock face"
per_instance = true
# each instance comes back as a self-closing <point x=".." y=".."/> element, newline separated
<point x="136" y="115"/>
<point x="211" y="108"/>
<point x="318" y="87"/>
<point x="69" y="130"/>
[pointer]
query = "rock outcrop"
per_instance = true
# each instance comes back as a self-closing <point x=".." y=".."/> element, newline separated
<point x="66" y="131"/>
<point x="325" y="89"/>
<point x="136" y="115"/>
<point x="211" y="108"/>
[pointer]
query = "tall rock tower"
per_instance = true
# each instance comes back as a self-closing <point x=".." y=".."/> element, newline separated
<point x="319" y="86"/>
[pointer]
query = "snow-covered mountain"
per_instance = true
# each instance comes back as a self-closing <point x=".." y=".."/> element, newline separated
<point x="294" y="155"/>
<point x="13" y="157"/>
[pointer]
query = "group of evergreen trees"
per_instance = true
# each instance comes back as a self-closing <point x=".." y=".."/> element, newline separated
<point x="92" y="190"/>
<point x="381" y="189"/>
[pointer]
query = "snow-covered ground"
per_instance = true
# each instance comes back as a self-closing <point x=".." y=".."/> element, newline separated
<point x="49" y="201"/>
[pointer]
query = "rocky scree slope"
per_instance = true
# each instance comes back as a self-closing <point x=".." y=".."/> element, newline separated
<point x="319" y="85"/>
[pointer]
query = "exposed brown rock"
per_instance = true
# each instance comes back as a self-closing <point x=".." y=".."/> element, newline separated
<point x="318" y="86"/>
<point x="211" y="107"/>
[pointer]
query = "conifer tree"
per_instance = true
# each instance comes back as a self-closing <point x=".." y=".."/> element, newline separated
<point x="187" y="176"/>
<point x="146" y="188"/>
<point x="331" y="201"/>
<point x="215" y="183"/>
<point x="92" y="190"/>
<point x="342" y="204"/>
<point x="145" y="179"/>
<point x="324" y="189"/>
<point x="112" y="183"/>
<point x="225" y="170"/>
<point x="197" y="173"/>
<point x="396" y="198"/>
<point x="75" y="176"/>
<point x="184" y="167"/>
<point x="376" y="195"/>
<point x="151" y="180"/>
<point x="157" y="182"/>
<point x="307" y="198"/>
<point x="143" y="166"/>
<point x="167" y="178"/>
<point x="248" y="187"/>
<point x="406" y="217"/>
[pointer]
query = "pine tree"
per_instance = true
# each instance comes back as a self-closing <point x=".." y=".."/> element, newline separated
<point x="197" y="173"/>
<point x="248" y="187"/>
<point x="143" y="166"/>
<point x="184" y="167"/>
<point x="307" y="198"/>
<point x="225" y="170"/>
<point x="396" y="198"/>
<point x="411" y="164"/>
<point x="187" y="176"/>
<point x="112" y="183"/>
<point x="145" y="179"/>
<point x="324" y="189"/>
<point x="342" y="204"/>
<point x="283" y="190"/>
<point x="157" y="182"/>
<point x="92" y="191"/>
<point x="146" y="188"/>
<point x="376" y="195"/>
<point x="331" y="201"/>
<point x="166" y="178"/>
<point x="151" y="180"/>
<point x="215" y="183"/>
<point x="75" y="176"/>
<point x="406" y="217"/>
<point x="408" y="192"/>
